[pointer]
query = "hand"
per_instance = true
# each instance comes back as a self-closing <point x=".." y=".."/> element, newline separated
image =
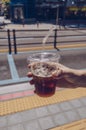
<point x="61" y="82"/>
<point x="73" y="77"/>
<point x="64" y="76"/>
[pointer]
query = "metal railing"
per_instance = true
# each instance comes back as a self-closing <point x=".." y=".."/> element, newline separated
<point x="12" y="40"/>
<point x="32" y="37"/>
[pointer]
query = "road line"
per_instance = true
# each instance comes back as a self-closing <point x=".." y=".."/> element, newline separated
<point x="67" y="49"/>
<point x="47" y="47"/>
<point x="51" y="47"/>
<point x="77" y="125"/>
<point x="13" y="81"/>
<point x="12" y="66"/>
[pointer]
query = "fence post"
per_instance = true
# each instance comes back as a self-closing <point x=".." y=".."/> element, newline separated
<point x="14" y="39"/>
<point x="9" y="41"/>
<point x="55" y="39"/>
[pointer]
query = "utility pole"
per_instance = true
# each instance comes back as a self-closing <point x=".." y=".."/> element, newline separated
<point x="65" y="5"/>
<point x="57" y="15"/>
<point x="57" y="22"/>
<point x="78" y="3"/>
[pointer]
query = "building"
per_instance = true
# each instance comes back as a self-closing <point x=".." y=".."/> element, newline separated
<point x="35" y="9"/>
<point x="76" y="10"/>
<point x="49" y="9"/>
<point x="22" y="10"/>
<point x="68" y="9"/>
<point x="45" y="10"/>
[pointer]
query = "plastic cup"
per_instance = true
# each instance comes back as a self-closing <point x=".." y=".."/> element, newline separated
<point x="42" y="68"/>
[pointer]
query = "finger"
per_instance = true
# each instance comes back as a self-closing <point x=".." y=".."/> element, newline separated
<point x="29" y="65"/>
<point x="32" y="82"/>
<point x="29" y="74"/>
<point x="62" y="83"/>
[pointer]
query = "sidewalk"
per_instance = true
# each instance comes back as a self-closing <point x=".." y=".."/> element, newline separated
<point x="20" y="109"/>
<point x="42" y="25"/>
<point x="28" y="26"/>
<point x="11" y="25"/>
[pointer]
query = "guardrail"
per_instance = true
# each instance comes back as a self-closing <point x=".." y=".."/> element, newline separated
<point x="12" y="40"/>
<point x="33" y="37"/>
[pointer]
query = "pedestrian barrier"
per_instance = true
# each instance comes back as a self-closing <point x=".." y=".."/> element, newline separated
<point x="11" y="40"/>
<point x="32" y="37"/>
<point x="14" y="41"/>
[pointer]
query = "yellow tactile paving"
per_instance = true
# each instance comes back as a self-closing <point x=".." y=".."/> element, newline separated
<point x="51" y="47"/>
<point x="78" y="125"/>
<point x="25" y="103"/>
<point x="47" y="47"/>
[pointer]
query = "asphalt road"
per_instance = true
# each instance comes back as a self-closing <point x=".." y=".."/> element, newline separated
<point x="13" y="68"/>
<point x="29" y="40"/>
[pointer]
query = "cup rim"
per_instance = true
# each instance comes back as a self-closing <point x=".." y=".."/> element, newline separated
<point x="55" y="54"/>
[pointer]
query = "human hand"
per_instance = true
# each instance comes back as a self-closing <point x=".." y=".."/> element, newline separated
<point x="62" y="74"/>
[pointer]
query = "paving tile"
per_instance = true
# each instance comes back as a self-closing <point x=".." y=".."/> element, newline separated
<point x="6" y="97"/>
<point x="83" y="100"/>
<point x="4" y="67"/>
<point x="42" y="111"/>
<point x="16" y="127"/>
<point x="76" y="103"/>
<point x="4" y="128"/>
<point x="14" y="119"/>
<point x="72" y="115"/>
<point x="28" y="115"/>
<point x="28" y="92"/>
<point x="16" y="88"/>
<point x="54" y="108"/>
<point x="82" y="112"/>
<point x="59" y="119"/>
<point x="18" y="94"/>
<point x="65" y="106"/>
<point x="46" y="123"/>
<point x="32" y="125"/>
<point x="3" y="121"/>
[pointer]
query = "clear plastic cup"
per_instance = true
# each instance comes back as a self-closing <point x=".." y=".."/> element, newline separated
<point x="42" y="68"/>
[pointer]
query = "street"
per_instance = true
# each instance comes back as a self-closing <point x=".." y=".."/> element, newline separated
<point x="14" y="67"/>
<point x="71" y="42"/>
<point x="28" y="40"/>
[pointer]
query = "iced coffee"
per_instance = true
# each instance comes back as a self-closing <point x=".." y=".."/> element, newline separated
<point x="45" y="82"/>
<point x="42" y="68"/>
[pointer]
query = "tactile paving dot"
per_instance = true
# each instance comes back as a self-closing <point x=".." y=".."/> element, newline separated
<point x="34" y="101"/>
<point x="78" y="125"/>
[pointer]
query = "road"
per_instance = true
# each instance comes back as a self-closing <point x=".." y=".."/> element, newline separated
<point x="13" y="68"/>
<point x="32" y="40"/>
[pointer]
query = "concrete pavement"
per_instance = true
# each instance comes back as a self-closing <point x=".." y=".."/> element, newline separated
<point x="21" y="109"/>
<point x="11" y="25"/>
<point x="14" y="67"/>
